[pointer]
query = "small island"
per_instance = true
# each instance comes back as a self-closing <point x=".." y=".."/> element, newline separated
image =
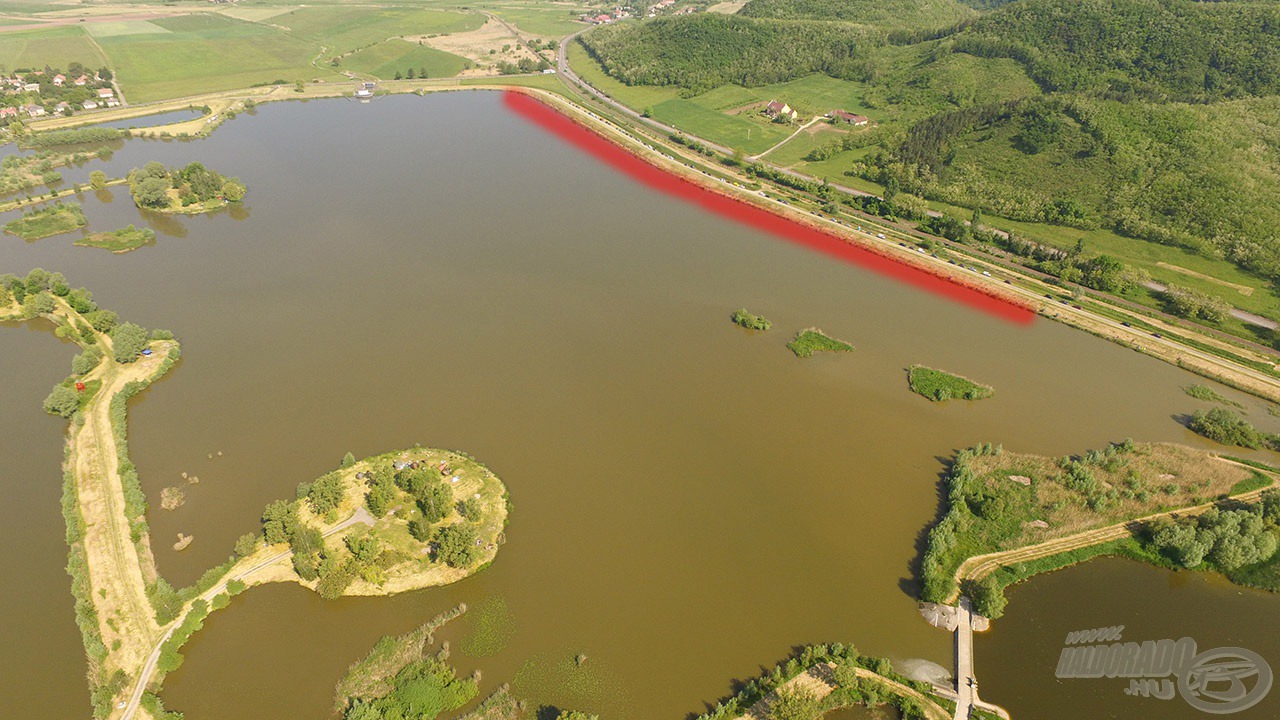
<point x="45" y="222"/>
<point x="940" y="386"/>
<point x="750" y="320"/>
<point x="120" y="241"/>
<point x="190" y="190"/>
<point x="398" y="521"/>
<point x="812" y="340"/>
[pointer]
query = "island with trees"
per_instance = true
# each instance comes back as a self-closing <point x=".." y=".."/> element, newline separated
<point x="189" y="190"/>
<point x="1010" y="516"/>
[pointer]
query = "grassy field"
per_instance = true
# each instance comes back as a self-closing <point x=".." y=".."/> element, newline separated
<point x="812" y="340"/>
<point x="53" y="220"/>
<point x="206" y="53"/>
<point x="387" y="58"/>
<point x="940" y="386"/>
<point x="55" y="46"/>
<point x="342" y="29"/>
<point x="120" y="241"/>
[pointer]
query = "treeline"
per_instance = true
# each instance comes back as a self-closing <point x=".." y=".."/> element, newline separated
<point x="1137" y="49"/>
<point x="887" y="13"/>
<point x="706" y="50"/>
<point x="70" y="137"/>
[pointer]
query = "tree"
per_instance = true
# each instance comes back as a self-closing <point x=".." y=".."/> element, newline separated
<point x="471" y="509"/>
<point x="151" y="192"/>
<point x="382" y="492"/>
<point x="411" y="73"/>
<point x="81" y="300"/>
<point x="299" y="86"/>
<point x="364" y="546"/>
<point x="129" y="340"/>
<point x="165" y="601"/>
<point x="279" y="522"/>
<point x="457" y="544"/>
<point x="98" y="179"/>
<point x="307" y="543"/>
<point x="347" y="460"/>
<point x="233" y="190"/>
<point x="326" y="493"/>
<point x="86" y="361"/>
<point x="63" y="401"/>
<point x="103" y="321"/>
<point x="246" y="544"/>
<point x="435" y="500"/>
<point x="42" y="303"/>
<point x="420" y="529"/>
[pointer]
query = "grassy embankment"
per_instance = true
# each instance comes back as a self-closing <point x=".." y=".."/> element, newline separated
<point x="940" y="386"/>
<point x="120" y="241"/>
<point x="1010" y="516"/>
<point x="46" y="222"/>
<point x="812" y="340"/>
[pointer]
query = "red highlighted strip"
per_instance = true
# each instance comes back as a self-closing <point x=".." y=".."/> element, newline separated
<point x="794" y="231"/>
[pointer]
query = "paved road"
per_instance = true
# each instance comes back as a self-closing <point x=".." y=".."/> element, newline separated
<point x="360" y="516"/>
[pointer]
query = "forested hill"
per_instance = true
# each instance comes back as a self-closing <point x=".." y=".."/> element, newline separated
<point x="704" y="51"/>
<point x="909" y="14"/>
<point x="1157" y="49"/>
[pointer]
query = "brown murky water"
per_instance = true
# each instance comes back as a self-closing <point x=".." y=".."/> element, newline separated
<point x="691" y="501"/>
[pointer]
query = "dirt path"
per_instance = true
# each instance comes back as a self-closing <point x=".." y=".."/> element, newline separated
<point x="116" y="572"/>
<point x="787" y="139"/>
<point x="980" y="566"/>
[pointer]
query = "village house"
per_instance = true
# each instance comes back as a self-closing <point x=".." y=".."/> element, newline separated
<point x="61" y="108"/>
<point x="31" y="87"/>
<point x="89" y="105"/>
<point x="106" y="92"/>
<point x="81" y="81"/>
<point x="777" y="109"/>
<point x="34" y="110"/>
<point x="848" y="117"/>
<point x="59" y="79"/>
<point x="8" y="112"/>
<point x="113" y="102"/>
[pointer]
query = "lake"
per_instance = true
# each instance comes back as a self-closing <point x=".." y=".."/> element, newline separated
<point x="691" y="501"/>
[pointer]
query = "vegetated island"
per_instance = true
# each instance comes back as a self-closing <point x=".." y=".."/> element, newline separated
<point x="750" y="320"/>
<point x="20" y="172"/>
<point x="190" y="190"/>
<point x="940" y="386"/>
<point x="1230" y="428"/>
<point x="403" y="677"/>
<point x="46" y="222"/>
<point x="818" y="679"/>
<point x="1010" y="516"/>
<point x="358" y="535"/>
<point x="812" y="340"/>
<point x="120" y="241"/>
<point x="1208" y="394"/>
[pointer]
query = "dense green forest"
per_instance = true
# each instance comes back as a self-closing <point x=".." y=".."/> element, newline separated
<point x="1152" y="49"/>
<point x="700" y="52"/>
<point x="898" y="13"/>
<point x="1158" y="119"/>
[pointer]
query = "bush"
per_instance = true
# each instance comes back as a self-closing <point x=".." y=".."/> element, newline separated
<point x="63" y="401"/>
<point x="1230" y="428"/>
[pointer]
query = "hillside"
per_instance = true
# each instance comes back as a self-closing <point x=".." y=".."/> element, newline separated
<point x="700" y="52"/>
<point x="1152" y="49"/>
<point x="908" y="14"/>
<point x="1156" y="119"/>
